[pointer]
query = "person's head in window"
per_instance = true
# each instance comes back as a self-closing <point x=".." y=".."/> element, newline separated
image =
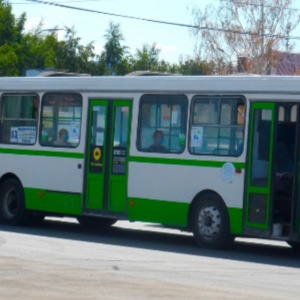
<point x="63" y="138"/>
<point x="158" y="139"/>
<point x="35" y="113"/>
<point x="241" y="116"/>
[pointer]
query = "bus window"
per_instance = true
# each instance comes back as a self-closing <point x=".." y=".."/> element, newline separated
<point x="162" y="123"/>
<point x="281" y="114"/>
<point x="293" y="117"/>
<point x="217" y="126"/>
<point x="61" y="120"/>
<point x="19" y="119"/>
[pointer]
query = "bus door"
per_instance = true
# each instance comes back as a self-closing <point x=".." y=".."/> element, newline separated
<point x="107" y="156"/>
<point x="257" y="217"/>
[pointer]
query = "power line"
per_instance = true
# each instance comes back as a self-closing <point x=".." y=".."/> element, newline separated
<point x="68" y="1"/>
<point x="111" y="14"/>
<point x="163" y="22"/>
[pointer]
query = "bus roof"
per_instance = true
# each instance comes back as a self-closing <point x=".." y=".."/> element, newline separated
<point x="144" y="84"/>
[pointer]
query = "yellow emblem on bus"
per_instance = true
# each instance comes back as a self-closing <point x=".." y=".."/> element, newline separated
<point x="97" y="154"/>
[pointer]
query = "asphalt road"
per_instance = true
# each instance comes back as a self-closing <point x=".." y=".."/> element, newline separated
<point x="61" y="260"/>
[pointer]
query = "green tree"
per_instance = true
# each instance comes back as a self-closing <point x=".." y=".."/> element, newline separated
<point x="38" y="49"/>
<point x="114" y="51"/>
<point x="146" y="58"/>
<point x="11" y="29"/>
<point x="11" y="33"/>
<point x="195" y="66"/>
<point x="71" y="55"/>
<point x="8" y="61"/>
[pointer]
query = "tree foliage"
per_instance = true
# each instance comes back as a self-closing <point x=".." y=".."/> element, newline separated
<point x="146" y="58"/>
<point x="41" y="49"/>
<point x="196" y="66"/>
<point x="8" y="61"/>
<point x="114" y="51"/>
<point x="251" y="30"/>
<point x="11" y="30"/>
<point x="71" y="55"/>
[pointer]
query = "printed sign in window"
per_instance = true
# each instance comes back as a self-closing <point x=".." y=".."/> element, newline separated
<point x="75" y="131"/>
<point x="197" y="137"/>
<point x="23" y="134"/>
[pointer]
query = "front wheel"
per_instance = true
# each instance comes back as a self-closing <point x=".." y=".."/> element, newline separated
<point x="211" y="222"/>
<point x="12" y="203"/>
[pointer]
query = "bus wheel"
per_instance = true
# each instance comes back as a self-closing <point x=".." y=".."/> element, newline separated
<point x="211" y="223"/>
<point x="95" y="222"/>
<point x="294" y="245"/>
<point x="36" y="219"/>
<point x="12" y="203"/>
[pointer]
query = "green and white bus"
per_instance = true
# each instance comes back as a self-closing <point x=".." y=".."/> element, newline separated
<point x="224" y="163"/>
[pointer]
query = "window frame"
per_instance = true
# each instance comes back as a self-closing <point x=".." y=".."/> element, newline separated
<point x="222" y="98"/>
<point x="175" y="99"/>
<point x="56" y="109"/>
<point x="34" y="119"/>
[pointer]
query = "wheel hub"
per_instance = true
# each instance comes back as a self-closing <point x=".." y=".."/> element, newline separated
<point x="209" y="222"/>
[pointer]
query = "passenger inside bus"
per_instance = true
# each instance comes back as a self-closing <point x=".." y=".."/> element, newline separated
<point x="158" y="139"/>
<point x="63" y="137"/>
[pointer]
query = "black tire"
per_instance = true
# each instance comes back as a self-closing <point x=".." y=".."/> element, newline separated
<point x="211" y="223"/>
<point x="95" y="222"/>
<point x="36" y="219"/>
<point x="295" y="246"/>
<point x="12" y="203"/>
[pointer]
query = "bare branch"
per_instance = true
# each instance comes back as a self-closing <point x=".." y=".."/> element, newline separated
<point x="251" y="29"/>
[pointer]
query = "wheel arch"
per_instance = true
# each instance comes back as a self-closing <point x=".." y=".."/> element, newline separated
<point x="10" y="176"/>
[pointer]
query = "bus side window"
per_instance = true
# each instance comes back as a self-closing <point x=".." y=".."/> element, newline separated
<point x="19" y="119"/>
<point x="61" y="115"/>
<point x="162" y="123"/>
<point x="217" y="126"/>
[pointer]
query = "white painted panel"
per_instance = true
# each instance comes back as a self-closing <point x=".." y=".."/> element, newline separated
<point x="181" y="183"/>
<point x="53" y="173"/>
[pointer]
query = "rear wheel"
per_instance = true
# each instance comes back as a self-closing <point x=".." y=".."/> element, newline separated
<point x="12" y="203"/>
<point x="95" y="222"/>
<point x="211" y="222"/>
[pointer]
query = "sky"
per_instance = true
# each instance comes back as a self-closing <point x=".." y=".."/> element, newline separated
<point x="173" y="41"/>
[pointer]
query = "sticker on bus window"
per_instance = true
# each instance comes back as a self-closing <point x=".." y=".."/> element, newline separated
<point x="197" y="137"/>
<point x="75" y="130"/>
<point x="23" y="134"/>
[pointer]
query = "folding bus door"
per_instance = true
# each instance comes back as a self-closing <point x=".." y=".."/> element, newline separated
<point x="259" y="178"/>
<point x="107" y="156"/>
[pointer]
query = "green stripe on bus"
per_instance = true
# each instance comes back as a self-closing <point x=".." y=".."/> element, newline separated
<point x="41" y="153"/>
<point x="236" y="220"/>
<point x="53" y="201"/>
<point x="155" y="211"/>
<point x="184" y="162"/>
<point x="174" y="213"/>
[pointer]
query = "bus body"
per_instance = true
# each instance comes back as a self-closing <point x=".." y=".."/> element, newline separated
<point x="227" y="164"/>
